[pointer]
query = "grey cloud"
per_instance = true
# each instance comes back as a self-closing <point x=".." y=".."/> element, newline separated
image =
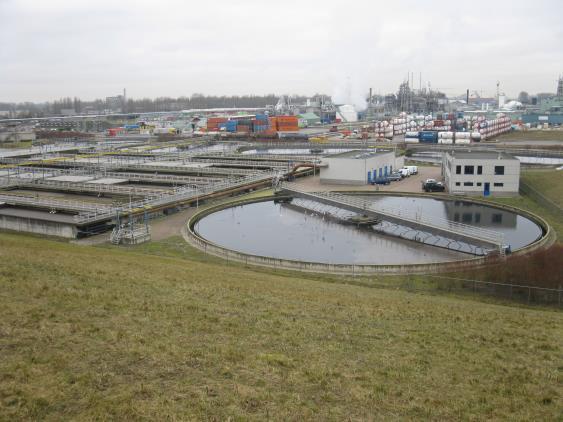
<point x="90" y="49"/>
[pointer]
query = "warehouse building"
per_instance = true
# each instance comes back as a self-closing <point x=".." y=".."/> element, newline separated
<point x="481" y="173"/>
<point x="359" y="167"/>
<point x="14" y="135"/>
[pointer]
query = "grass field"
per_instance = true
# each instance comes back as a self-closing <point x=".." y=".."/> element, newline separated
<point x="532" y="135"/>
<point x="163" y="331"/>
<point x="548" y="182"/>
<point x="106" y="333"/>
<point x="22" y="144"/>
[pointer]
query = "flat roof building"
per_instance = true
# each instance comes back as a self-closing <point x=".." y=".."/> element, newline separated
<point x="359" y="167"/>
<point x="481" y="173"/>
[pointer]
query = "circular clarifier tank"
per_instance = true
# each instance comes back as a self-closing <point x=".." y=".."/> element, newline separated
<point x="301" y="232"/>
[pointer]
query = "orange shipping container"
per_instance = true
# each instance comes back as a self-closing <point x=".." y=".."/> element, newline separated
<point x="216" y="120"/>
<point x="287" y="119"/>
<point x="273" y="123"/>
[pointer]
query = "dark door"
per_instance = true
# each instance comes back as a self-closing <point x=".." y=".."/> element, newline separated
<point x="487" y="189"/>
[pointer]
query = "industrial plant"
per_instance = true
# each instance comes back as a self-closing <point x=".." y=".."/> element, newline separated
<point x="112" y="175"/>
<point x="281" y="211"/>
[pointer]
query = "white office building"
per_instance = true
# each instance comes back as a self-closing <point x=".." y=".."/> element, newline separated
<point x="359" y="167"/>
<point x="481" y="173"/>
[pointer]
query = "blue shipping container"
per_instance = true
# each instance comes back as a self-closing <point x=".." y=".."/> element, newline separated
<point x="261" y="117"/>
<point x="231" y="125"/>
<point x="428" y="136"/>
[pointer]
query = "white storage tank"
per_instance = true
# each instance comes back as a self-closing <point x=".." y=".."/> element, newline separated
<point x="447" y="141"/>
<point x="446" y="135"/>
<point x="462" y="141"/>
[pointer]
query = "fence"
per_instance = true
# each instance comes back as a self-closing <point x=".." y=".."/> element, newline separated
<point x="531" y="295"/>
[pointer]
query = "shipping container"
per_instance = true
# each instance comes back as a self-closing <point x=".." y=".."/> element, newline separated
<point x="231" y="125"/>
<point x="288" y="128"/>
<point x="260" y="128"/>
<point x="273" y="123"/>
<point x="428" y="136"/>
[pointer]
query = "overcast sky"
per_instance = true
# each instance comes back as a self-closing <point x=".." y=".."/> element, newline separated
<point x="93" y="49"/>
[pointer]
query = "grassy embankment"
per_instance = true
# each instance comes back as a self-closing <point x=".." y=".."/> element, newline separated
<point x="531" y="135"/>
<point x="10" y="145"/>
<point x="162" y="331"/>
<point x="550" y="184"/>
<point x="99" y="333"/>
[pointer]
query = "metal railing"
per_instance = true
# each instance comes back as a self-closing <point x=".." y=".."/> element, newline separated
<point x="56" y="204"/>
<point x="180" y="194"/>
<point x="91" y="187"/>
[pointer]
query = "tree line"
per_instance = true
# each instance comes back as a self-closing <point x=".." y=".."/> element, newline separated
<point x="142" y="105"/>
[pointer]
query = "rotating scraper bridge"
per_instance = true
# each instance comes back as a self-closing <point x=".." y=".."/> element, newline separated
<point x="480" y="239"/>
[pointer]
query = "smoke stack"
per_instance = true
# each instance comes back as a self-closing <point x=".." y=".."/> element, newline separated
<point x="370" y="95"/>
<point x="467" y="97"/>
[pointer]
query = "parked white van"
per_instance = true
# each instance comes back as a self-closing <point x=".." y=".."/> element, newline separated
<point x="404" y="172"/>
<point x="412" y="169"/>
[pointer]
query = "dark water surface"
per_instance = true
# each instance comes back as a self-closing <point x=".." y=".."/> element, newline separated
<point x="281" y="231"/>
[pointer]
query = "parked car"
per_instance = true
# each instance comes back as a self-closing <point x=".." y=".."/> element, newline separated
<point x="433" y="186"/>
<point x="381" y="181"/>
<point x="394" y="177"/>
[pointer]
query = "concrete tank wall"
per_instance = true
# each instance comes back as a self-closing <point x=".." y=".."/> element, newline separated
<point x="48" y="228"/>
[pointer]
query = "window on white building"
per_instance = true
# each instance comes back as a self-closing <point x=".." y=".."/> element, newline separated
<point x="499" y="170"/>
